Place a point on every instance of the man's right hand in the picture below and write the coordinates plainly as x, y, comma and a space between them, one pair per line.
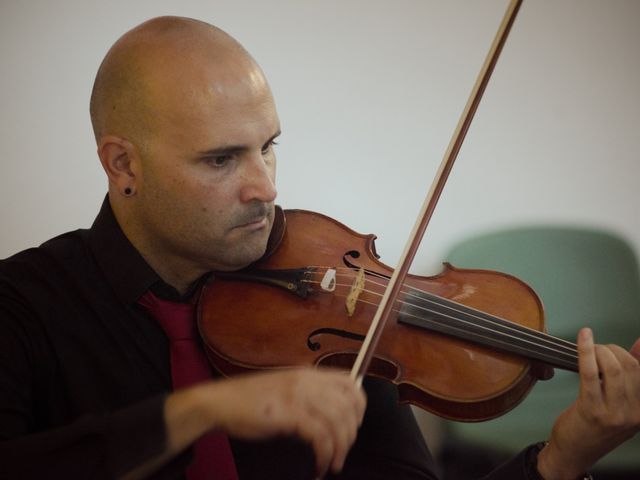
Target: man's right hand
321, 406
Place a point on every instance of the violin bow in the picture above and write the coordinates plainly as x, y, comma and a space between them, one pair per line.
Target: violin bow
392, 291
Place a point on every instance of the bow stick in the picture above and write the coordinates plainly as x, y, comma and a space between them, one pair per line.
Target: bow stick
392, 291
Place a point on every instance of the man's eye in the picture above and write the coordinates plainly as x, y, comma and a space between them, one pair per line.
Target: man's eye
268, 146
219, 161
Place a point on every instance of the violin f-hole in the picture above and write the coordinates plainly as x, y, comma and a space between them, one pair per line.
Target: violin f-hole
314, 346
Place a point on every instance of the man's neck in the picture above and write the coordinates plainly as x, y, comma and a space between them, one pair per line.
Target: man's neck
173, 270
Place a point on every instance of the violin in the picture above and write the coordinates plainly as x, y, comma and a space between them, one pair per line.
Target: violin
465, 344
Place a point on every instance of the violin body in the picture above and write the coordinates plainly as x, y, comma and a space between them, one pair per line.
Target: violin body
278, 313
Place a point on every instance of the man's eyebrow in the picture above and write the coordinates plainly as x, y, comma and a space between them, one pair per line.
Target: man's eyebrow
233, 149
224, 150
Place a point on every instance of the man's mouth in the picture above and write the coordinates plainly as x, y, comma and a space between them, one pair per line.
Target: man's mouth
256, 224
255, 218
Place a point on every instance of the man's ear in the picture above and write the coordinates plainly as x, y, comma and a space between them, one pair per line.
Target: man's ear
120, 159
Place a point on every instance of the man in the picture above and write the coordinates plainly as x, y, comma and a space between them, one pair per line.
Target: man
185, 125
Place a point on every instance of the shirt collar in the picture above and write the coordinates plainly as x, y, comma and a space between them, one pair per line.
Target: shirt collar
126, 270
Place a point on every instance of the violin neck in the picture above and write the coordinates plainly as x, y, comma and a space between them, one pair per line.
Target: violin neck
450, 318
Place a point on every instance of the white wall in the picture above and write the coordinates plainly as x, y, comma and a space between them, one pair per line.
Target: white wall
368, 93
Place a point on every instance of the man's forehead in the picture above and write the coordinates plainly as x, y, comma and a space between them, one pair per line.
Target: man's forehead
195, 87
213, 120
229, 101
203, 75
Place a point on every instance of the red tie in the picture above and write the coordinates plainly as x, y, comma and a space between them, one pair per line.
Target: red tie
189, 365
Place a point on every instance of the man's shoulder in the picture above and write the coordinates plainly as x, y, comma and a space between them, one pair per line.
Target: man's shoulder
45, 264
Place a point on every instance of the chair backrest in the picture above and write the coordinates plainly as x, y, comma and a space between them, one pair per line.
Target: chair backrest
584, 278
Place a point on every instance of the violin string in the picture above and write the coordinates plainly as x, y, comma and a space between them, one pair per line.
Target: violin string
495, 339
440, 301
436, 300
455, 306
504, 342
497, 328
488, 318
507, 336
506, 329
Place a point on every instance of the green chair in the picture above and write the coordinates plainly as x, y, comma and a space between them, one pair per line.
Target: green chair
584, 278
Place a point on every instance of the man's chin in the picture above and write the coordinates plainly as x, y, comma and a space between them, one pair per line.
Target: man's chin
244, 258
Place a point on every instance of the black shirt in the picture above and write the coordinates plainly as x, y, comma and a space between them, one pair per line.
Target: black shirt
84, 372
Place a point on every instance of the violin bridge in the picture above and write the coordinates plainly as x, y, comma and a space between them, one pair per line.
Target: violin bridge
354, 293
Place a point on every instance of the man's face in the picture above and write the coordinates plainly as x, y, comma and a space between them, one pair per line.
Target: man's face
208, 171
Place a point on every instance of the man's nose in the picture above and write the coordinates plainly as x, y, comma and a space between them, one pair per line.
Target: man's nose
259, 180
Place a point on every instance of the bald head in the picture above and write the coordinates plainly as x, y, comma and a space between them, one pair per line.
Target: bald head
158, 63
